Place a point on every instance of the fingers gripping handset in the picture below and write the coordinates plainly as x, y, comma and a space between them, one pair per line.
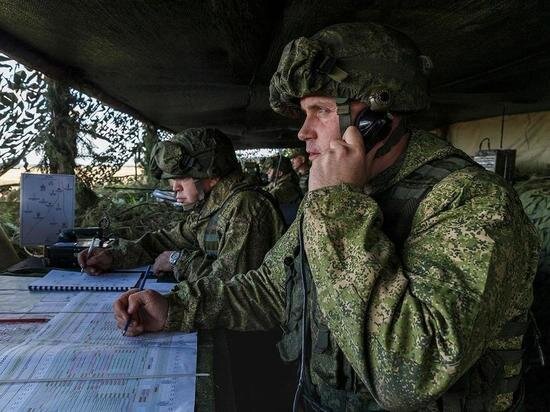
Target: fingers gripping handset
373, 125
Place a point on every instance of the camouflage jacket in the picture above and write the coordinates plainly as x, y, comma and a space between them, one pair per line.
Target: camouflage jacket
304, 181
286, 189
410, 325
248, 226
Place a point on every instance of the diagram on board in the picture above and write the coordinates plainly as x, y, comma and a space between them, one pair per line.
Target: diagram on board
47, 207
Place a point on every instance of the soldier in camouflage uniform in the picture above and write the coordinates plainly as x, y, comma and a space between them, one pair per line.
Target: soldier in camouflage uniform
283, 181
228, 230
405, 281
300, 164
284, 186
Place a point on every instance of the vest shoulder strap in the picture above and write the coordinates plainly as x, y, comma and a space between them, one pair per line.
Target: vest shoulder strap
400, 201
211, 236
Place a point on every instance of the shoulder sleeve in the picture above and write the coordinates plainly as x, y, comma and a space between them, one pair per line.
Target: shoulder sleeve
131, 253
250, 301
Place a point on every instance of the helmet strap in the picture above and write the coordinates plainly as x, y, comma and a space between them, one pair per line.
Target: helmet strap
200, 189
393, 138
343, 109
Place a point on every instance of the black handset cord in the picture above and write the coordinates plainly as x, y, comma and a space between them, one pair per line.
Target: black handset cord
305, 330
302, 375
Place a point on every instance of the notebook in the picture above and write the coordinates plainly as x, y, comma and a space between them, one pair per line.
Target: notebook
68, 280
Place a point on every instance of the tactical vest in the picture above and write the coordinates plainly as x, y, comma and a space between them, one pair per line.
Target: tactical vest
329, 381
211, 238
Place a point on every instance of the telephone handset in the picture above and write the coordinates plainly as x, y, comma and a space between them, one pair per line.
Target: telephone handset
373, 126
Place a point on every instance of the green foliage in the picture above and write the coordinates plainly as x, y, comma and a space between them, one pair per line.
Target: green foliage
131, 213
9, 216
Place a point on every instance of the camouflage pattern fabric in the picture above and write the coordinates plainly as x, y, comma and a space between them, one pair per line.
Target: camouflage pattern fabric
292, 153
535, 197
304, 177
286, 189
248, 227
304, 182
358, 61
410, 326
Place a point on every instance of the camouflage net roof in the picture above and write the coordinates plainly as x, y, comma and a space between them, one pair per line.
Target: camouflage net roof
105, 138
180, 64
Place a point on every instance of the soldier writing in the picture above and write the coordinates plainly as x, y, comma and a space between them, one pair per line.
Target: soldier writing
229, 229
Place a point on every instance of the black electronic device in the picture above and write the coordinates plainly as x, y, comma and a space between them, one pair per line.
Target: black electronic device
373, 126
70, 242
500, 161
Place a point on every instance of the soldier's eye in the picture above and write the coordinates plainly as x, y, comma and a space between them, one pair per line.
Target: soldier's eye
323, 111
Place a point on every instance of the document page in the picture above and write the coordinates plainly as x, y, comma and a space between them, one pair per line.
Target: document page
79, 360
74, 280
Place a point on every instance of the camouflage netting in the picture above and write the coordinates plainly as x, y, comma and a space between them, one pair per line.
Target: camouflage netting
24, 115
66, 126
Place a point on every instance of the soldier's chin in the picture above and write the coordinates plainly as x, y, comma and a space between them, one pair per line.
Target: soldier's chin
313, 156
191, 205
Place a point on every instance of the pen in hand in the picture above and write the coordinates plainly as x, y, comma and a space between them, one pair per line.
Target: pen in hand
140, 285
90, 250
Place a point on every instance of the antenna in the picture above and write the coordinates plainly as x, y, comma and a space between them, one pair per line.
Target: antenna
502, 125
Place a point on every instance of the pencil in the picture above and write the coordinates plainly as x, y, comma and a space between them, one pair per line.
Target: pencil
140, 285
90, 249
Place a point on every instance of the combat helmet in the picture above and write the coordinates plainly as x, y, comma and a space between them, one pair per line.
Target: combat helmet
295, 152
198, 153
365, 62
280, 163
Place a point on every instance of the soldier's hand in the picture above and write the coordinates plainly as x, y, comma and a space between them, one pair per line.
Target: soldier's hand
100, 261
162, 263
343, 162
147, 309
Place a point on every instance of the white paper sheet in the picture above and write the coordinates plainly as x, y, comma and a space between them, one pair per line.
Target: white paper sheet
47, 207
80, 361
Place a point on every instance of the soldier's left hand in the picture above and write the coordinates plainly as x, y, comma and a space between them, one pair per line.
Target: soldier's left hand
162, 263
344, 161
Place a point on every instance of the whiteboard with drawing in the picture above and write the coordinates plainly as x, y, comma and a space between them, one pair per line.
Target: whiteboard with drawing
47, 207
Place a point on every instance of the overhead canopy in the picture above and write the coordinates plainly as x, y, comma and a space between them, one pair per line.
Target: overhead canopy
180, 64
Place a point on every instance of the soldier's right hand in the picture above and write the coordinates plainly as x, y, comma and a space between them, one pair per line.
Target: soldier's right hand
146, 309
99, 261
